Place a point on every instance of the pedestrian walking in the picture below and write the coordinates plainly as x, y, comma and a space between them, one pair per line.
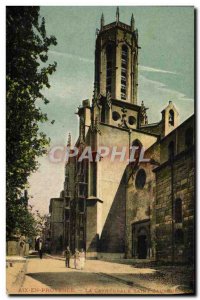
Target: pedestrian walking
76, 258
40, 249
82, 259
67, 257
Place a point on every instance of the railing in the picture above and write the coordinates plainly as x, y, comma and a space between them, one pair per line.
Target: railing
125, 26
120, 24
111, 25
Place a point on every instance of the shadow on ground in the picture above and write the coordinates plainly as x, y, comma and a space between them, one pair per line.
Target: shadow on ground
175, 275
81, 281
84, 282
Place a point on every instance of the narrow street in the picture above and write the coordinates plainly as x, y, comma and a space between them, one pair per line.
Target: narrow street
50, 276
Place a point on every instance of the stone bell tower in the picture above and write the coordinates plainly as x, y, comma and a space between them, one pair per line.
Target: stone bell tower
116, 60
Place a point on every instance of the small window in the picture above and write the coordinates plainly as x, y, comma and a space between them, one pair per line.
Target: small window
178, 210
109, 65
67, 202
81, 220
137, 143
178, 236
140, 179
81, 206
81, 235
189, 137
108, 81
171, 150
109, 73
115, 116
171, 117
67, 215
103, 114
82, 192
131, 120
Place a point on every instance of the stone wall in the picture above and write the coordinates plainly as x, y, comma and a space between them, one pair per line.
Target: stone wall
56, 224
175, 181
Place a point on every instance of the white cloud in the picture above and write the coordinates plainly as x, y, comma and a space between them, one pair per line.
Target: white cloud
87, 60
69, 55
156, 96
150, 69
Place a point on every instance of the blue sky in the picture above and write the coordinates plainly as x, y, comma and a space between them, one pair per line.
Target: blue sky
166, 72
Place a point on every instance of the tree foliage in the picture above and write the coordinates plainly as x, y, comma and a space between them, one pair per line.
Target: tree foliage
27, 73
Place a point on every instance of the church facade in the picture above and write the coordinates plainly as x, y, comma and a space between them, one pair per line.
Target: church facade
119, 208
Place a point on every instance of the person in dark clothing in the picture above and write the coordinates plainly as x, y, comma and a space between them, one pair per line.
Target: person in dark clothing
67, 257
40, 249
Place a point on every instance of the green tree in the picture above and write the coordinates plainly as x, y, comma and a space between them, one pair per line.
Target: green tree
27, 74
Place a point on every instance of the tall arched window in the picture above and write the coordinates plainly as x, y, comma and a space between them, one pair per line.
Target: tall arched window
140, 179
171, 150
124, 66
178, 210
109, 67
171, 117
103, 113
138, 144
189, 137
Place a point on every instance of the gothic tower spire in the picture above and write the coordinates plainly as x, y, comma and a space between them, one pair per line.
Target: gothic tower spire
102, 21
117, 15
132, 23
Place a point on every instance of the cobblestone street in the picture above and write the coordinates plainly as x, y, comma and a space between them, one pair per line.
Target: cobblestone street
50, 276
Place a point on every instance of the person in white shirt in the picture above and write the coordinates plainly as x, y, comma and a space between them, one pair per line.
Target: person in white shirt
82, 259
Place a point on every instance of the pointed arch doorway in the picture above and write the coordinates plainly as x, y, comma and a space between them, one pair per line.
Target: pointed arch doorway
141, 239
142, 244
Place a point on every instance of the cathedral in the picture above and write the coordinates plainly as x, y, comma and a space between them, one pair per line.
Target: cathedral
122, 208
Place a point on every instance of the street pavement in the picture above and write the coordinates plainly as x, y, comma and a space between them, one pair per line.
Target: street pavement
50, 276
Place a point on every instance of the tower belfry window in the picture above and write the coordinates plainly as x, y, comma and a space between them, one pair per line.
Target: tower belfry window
109, 67
124, 63
171, 117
